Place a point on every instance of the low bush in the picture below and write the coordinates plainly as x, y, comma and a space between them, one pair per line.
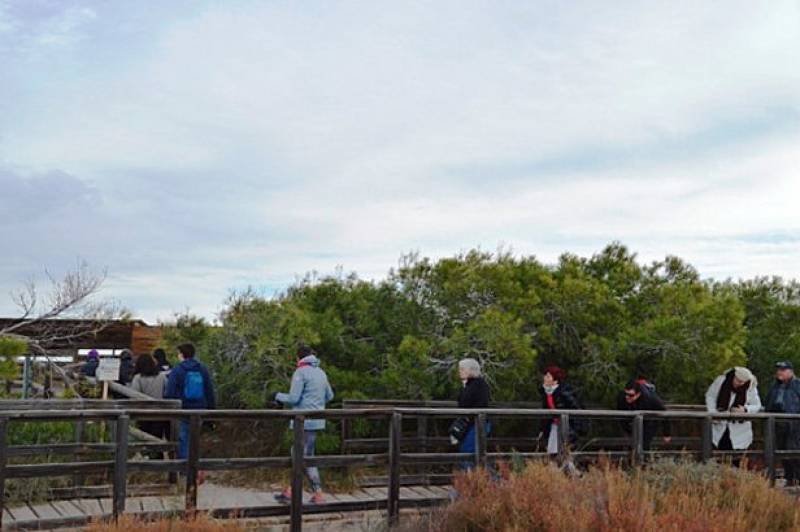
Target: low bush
667, 496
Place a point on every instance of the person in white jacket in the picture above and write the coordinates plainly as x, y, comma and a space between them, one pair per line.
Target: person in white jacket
735, 391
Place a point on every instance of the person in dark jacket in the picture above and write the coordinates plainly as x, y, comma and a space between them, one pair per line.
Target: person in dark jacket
190, 382
474, 394
126, 367
637, 395
557, 394
89, 368
784, 398
161, 359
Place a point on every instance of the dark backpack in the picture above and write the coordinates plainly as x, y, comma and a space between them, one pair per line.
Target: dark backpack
193, 388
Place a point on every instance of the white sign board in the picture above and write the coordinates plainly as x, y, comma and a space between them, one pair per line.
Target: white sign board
108, 369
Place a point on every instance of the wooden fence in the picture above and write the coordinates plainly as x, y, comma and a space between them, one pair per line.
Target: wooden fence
393, 458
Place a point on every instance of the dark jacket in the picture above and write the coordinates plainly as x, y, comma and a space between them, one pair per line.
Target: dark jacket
126, 369
89, 367
648, 400
785, 398
175, 384
565, 398
475, 394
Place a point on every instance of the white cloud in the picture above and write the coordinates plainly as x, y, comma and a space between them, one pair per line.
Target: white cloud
254, 142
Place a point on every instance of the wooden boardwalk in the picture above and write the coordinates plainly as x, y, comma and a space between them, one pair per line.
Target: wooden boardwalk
220, 501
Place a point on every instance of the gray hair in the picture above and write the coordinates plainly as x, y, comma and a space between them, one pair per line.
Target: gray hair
471, 366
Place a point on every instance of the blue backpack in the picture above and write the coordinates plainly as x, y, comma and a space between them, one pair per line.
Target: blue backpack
193, 388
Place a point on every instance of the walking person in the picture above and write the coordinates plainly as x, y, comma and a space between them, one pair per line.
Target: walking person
557, 394
735, 392
150, 381
310, 390
639, 394
190, 382
784, 398
474, 393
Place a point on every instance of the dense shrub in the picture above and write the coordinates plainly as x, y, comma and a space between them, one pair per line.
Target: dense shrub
605, 318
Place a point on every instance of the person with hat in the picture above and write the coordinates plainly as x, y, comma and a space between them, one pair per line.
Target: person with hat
784, 398
310, 390
735, 392
89, 368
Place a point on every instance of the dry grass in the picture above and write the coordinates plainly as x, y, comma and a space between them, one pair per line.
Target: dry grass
201, 523
666, 497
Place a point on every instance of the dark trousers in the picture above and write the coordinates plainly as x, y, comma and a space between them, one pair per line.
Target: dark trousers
725, 444
785, 440
159, 429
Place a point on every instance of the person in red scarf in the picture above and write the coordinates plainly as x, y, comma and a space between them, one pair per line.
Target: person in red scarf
557, 394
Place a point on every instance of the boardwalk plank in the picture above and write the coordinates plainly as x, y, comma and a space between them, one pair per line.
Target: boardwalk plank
89, 506
67, 510
105, 504
151, 504
45, 511
23, 513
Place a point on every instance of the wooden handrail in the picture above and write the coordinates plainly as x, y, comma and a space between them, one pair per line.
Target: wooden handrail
393, 459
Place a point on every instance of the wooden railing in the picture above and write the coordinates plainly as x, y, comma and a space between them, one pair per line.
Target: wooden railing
393, 459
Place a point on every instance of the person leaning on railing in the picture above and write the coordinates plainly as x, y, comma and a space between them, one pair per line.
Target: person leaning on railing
784, 398
641, 395
736, 392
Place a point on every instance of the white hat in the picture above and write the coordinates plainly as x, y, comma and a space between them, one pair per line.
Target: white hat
744, 374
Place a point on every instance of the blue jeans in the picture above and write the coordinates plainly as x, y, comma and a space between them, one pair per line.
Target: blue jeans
309, 449
183, 440
468, 445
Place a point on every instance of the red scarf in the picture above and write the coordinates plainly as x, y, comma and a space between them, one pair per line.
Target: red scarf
551, 404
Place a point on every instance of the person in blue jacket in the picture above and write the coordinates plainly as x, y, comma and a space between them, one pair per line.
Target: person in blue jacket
190, 382
310, 390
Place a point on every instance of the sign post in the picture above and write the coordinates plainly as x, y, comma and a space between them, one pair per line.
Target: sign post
107, 370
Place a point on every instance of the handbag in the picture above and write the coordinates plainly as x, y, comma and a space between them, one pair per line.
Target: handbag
459, 428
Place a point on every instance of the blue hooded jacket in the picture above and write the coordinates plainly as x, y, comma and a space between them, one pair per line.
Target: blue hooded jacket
310, 390
177, 378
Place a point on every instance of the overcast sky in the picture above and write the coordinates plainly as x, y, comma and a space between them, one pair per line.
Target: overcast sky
197, 147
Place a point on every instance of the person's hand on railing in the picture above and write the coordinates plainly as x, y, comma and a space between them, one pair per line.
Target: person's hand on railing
273, 402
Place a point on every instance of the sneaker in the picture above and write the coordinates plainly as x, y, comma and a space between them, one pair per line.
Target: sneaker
317, 498
285, 496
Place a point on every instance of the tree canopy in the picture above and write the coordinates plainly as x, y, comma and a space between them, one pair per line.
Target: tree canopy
605, 319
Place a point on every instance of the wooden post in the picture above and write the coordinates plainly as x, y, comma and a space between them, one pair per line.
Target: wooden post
422, 433
637, 442
298, 460
480, 440
395, 435
79, 479
3, 432
193, 456
563, 436
174, 437
120, 465
707, 449
769, 449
